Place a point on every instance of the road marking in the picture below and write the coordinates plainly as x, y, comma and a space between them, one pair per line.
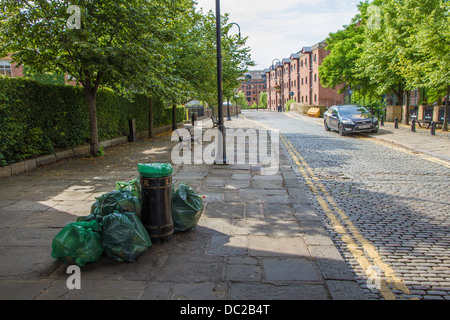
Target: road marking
350, 234
352, 237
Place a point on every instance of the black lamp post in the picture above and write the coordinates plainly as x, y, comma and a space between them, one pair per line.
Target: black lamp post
275, 69
228, 110
228, 100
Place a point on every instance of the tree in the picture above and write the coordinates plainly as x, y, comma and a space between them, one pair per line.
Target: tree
340, 66
429, 41
118, 41
380, 58
240, 100
263, 100
193, 64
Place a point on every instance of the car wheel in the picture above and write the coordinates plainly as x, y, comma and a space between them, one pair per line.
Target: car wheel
326, 126
374, 131
341, 130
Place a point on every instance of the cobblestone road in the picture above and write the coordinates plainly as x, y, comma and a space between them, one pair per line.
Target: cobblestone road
387, 209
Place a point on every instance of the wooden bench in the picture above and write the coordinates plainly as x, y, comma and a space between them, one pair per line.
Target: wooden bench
215, 122
424, 122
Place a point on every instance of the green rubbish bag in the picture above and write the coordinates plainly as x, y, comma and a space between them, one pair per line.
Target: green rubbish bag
78, 243
134, 186
122, 201
124, 237
187, 208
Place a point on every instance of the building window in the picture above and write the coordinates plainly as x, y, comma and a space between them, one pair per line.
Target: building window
5, 67
315, 77
315, 98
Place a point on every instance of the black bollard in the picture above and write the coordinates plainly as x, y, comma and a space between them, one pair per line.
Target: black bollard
382, 120
194, 118
132, 127
433, 128
396, 123
413, 125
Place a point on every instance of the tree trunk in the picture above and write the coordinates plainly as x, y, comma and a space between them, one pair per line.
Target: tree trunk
447, 110
400, 95
91, 94
150, 118
174, 117
406, 119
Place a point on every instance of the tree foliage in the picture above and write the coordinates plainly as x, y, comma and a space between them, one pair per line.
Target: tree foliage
163, 48
392, 47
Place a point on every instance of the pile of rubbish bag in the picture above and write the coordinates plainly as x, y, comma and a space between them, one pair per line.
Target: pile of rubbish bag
114, 225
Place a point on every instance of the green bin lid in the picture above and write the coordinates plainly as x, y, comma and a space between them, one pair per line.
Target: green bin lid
155, 170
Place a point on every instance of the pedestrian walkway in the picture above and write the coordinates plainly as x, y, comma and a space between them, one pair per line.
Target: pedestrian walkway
258, 239
420, 141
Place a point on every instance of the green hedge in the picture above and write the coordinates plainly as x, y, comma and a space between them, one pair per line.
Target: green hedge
37, 119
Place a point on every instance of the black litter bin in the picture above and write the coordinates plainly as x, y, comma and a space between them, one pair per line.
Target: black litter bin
156, 200
194, 118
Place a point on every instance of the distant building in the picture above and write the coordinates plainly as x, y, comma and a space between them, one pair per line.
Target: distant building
253, 85
297, 78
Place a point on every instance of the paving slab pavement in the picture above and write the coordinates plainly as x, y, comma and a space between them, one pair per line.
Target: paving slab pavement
258, 238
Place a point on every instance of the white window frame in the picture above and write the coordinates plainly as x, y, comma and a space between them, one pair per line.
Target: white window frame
5, 65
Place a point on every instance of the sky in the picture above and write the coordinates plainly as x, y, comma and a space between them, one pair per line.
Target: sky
278, 28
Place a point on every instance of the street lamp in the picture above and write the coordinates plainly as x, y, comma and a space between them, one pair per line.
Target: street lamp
238, 27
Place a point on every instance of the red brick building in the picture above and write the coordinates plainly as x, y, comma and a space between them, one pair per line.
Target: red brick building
8, 68
297, 78
253, 85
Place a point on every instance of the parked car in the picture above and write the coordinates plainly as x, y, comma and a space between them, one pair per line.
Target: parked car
348, 119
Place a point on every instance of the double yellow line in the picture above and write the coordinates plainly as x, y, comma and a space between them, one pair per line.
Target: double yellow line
362, 250
367, 257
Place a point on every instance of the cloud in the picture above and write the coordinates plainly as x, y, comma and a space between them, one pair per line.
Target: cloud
278, 28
